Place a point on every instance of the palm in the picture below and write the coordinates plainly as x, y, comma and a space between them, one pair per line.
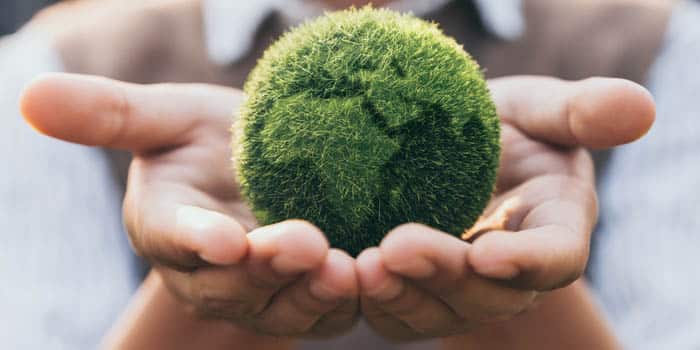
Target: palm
532, 175
524, 159
534, 235
198, 173
183, 211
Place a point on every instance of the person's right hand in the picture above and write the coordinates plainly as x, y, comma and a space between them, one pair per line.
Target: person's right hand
183, 210
535, 234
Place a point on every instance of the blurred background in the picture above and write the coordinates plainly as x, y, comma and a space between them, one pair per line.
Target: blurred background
14, 13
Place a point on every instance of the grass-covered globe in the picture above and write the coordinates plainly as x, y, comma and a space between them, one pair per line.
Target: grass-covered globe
362, 120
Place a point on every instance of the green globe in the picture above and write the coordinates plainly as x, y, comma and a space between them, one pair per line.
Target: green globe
362, 120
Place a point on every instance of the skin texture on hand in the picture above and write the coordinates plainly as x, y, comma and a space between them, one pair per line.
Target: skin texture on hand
422, 283
183, 212
545, 188
283, 279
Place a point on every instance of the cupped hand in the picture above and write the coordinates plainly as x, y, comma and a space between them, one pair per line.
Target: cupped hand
183, 211
535, 233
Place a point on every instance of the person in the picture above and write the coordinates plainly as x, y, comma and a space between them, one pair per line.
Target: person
485, 50
283, 280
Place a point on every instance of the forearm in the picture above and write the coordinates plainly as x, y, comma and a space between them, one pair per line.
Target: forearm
155, 320
564, 319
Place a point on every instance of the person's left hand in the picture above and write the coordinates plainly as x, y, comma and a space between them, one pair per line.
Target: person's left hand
534, 235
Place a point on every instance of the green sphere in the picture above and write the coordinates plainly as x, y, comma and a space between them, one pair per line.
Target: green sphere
365, 119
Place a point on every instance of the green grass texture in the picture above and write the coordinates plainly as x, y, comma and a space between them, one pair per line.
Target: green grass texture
365, 119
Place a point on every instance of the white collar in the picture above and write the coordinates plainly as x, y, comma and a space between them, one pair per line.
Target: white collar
230, 26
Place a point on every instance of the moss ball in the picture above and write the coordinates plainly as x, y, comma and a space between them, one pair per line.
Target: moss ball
362, 120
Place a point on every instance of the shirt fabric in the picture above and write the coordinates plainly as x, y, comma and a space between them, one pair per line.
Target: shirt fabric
645, 267
66, 270
503, 18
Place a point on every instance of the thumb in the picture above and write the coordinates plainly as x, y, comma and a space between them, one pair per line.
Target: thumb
595, 113
96, 111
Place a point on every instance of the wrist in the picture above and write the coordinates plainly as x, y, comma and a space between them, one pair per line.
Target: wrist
567, 318
155, 319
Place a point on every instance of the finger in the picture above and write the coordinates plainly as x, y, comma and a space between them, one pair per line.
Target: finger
97, 111
418, 252
444, 272
278, 256
346, 315
594, 113
297, 309
509, 209
550, 248
166, 229
388, 301
287, 248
